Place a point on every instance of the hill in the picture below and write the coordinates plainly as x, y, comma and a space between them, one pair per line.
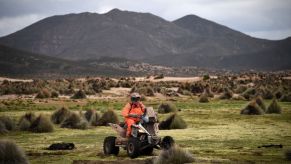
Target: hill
18, 63
188, 41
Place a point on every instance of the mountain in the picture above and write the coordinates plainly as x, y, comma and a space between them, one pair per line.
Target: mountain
90, 35
144, 37
18, 63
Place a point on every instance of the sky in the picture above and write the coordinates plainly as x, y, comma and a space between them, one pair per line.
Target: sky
268, 19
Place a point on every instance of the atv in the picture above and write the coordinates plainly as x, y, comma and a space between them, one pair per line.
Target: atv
144, 137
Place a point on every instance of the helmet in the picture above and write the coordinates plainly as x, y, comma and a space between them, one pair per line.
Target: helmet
135, 97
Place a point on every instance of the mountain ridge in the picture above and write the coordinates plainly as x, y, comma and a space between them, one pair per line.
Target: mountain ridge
190, 40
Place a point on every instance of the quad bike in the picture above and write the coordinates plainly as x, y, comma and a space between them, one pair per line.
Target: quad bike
144, 137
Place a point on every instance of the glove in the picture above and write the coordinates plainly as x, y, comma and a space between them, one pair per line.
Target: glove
133, 115
145, 119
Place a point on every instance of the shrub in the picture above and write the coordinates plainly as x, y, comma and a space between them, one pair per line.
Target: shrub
7, 122
206, 77
147, 91
208, 92
259, 100
26, 120
252, 109
89, 114
60, 115
174, 155
44, 93
24, 124
278, 94
203, 98
3, 129
92, 117
79, 95
274, 107
249, 93
108, 117
10, 153
42, 124
174, 121
240, 89
288, 154
286, 98
74, 121
160, 76
167, 107
227, 94
267, 94
55, 94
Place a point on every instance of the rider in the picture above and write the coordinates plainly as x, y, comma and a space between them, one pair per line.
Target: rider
133, 111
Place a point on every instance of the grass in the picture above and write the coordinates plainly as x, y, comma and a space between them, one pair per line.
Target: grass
216, 132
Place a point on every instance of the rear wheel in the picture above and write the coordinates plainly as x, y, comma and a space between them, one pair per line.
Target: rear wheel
109, 146
167, 142
133, 147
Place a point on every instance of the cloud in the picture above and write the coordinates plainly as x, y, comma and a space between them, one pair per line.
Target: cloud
248, 16
10, 25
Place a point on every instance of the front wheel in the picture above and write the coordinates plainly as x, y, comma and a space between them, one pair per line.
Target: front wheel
148, 151
167, 142
109, 146
133, 146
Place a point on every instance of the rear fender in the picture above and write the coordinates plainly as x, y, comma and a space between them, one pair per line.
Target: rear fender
119, 130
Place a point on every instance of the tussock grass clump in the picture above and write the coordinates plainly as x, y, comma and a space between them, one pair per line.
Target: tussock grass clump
7, 122
227, 94
108, 117
74, 121
259, 100
44, 93
286, 98
26, 120
167, 107
54, 94
92, 117
208, 92
174, 155
79, 95
160, 76
252, 109
42, 124
240, 89
274, 107
288, 154
203, 98
174, 121
267, 94
3, 129
60, 115
146, 90
10, 153
249, 93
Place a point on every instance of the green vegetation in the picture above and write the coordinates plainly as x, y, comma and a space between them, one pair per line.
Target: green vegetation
252, 109
174, 121
167, 107
211, 132
203, 98
10, 153
110, 116
174, 155
274, 107
79, 95
74, 121
42, 124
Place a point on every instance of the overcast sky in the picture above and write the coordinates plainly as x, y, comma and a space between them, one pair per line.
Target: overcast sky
269, 19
